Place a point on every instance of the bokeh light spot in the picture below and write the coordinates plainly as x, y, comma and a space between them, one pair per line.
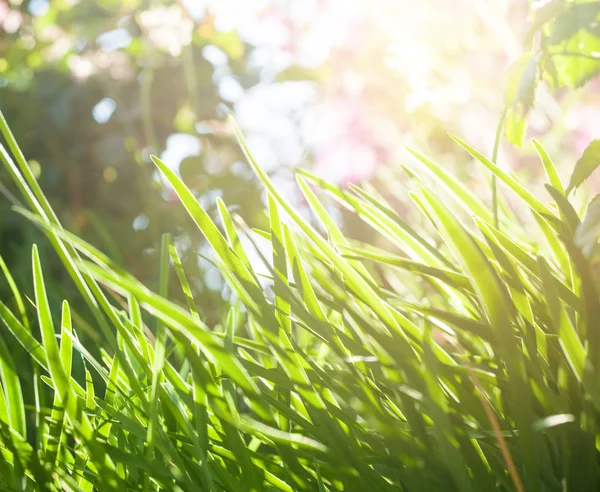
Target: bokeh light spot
110, 174
104, 110
114, 40
35, 167
37, 8
141, 222
180, 146
214, 55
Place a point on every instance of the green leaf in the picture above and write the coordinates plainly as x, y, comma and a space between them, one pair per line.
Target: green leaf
246, 284
577, 17
450, 277
439, 409
549, 167
16, 293
506, 178
352, 277
587, 163
588, 231
12, 389
576, 60
61, 381
471, 203
56, 434
568, 338
495, 300
159, 348
520, 94
541, 13
280, 264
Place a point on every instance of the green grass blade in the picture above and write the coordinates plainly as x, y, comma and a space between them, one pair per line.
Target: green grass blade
16, 293
251, 291
56, 436
549, 167
12, 389
470, 202
60, 380
506, 178
495, 301
159, 350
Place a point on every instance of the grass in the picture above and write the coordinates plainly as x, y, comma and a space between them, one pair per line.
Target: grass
464, 361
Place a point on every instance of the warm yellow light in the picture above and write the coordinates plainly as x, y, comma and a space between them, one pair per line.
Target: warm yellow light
109, 174
36, 169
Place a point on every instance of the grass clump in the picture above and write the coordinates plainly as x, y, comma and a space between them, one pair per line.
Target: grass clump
481, 378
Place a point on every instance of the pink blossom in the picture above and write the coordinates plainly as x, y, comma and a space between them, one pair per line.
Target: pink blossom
3, 11
346, 161
348, 150
171, 195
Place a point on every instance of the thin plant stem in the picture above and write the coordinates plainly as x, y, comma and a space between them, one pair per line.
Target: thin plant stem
494, 159
147, 78
489, 412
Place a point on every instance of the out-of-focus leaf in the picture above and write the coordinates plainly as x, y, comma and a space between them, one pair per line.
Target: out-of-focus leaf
184, 119
576, 60
515, 127
520, 93
296, 73
549, 167
540, 13
229, 42
586, 235
589, 160
579, 16
508, 179
553, 421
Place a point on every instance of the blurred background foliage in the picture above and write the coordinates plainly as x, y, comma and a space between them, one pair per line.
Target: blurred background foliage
92, 88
